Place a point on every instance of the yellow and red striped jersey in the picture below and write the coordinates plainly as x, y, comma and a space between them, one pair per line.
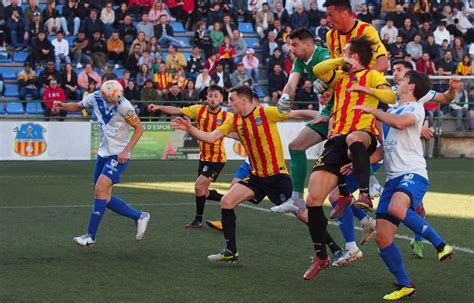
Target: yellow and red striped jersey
337, 41
259, 135
345, 118
207, 121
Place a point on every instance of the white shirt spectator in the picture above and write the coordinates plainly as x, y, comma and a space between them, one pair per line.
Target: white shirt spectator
440, 34
60, 47
107, 17
391, 30
290, 6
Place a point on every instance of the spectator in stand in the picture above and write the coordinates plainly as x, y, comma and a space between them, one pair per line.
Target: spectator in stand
408, 31
460, 107
314, 16
228, 27
201, 38
211, 63
365, 15
276, 58
203, 80
391, 30
174, 96
202, 7
153, 47
444, 48
290, 5
447, 64
28, 83
70, 18
299, 18
127, 31
79, 56
13, 6
180, 79
120, 15
239, 44
306, 97
61, 50
269, 46
175, 60
221, 77
458, 23
397, 49
398, 16
53, 93
69, 83
164, 33
147, 59
90, 89
92, 24
422, 10
288, 63
132, 93
146, 27
177, 9
41, 49
51, 17
251, 64
148, 94
139, 7
97, 50
214, 15
458, 50
240, 76
216, 36
226, 54
264, 20
426, 65
35, 26
16, 27
278, 29
195, 64
386, 7
28, 14
83, 10
414, 48
425, 31
385, 40
281, 14
321, 32
140, 40
107, 16
276, 81
116, 50
441, 33
131, 63
431, 48
190, 93
156, 11
86, 76
464, 67
126, 77
433, 111
162, 80
143, 75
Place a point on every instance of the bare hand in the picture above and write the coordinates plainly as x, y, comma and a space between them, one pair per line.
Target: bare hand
153, 108
455, 83
123, 157
426, 132
364, 108
359, 89
182, 123
326, 96
346, 169
57, 106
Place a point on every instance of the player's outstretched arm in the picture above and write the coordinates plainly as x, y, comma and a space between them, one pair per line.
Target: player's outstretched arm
170, 110
392, 120
290, 86
185, 124
383, 92
302, 114
137, 133
69, 107
326, 69
449, 95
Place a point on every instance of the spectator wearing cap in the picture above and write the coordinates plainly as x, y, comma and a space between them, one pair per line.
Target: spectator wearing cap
35, 26
116, 49
414, 48
41, 49
53, 93
441, 33
269, 46
164, 33
175, 60
92, 24
51, 17
16, 27
107, 16
299, 18
29, 12
264, 20
239, 44
70, 18
240, 75
61, 50
276, 82
28, 83
79, 56
221, 77
391, 30
97, 50
251, 63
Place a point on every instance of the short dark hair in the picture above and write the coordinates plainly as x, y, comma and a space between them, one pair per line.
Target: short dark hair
362, 46
243, 91
215, 88
421, 81
109, 76
340, 4
302, 34
406, 64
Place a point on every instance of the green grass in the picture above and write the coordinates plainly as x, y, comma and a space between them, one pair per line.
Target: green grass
39, 262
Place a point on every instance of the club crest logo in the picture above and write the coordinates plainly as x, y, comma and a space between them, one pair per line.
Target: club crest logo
258, 121
219, 121
239, 149
29, 140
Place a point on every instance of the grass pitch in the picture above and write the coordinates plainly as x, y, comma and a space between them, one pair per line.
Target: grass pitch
43, 205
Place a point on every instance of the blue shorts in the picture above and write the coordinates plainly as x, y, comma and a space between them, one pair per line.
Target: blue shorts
415, 186
244, 171
109, 167
351, 180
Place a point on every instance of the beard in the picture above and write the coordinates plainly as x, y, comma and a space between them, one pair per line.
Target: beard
346, 67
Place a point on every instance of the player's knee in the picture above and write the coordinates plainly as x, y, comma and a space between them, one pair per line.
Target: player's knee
200, 188
226, 203
382, 239
100, 192
314, 200
294, 145
397, 211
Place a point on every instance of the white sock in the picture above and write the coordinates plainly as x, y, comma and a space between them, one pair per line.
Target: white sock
351, 246
297, 196
373, 180
364, 221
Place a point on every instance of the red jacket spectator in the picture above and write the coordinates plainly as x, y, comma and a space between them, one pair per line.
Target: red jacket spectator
146, 3
189, 6
53, 93
425, 65
431, 106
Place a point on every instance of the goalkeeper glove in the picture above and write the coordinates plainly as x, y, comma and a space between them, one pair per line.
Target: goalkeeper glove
284, 104
319, 86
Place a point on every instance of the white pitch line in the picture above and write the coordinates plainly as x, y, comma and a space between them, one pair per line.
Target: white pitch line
403, 237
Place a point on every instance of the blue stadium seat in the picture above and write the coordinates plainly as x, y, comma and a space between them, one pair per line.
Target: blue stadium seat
246, 28
2, 109
70, 40
15, 108
20, 57
251, 42
60, 7
42, 6
119, 72
8, 73
260, 92
6, 60
178, 27
51, 37
163, 56
185, 40
11, 91
34, 108
187, 55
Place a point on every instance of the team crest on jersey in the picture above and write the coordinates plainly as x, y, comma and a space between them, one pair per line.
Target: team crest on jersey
258, 121
219, 121
29, 140
239, 149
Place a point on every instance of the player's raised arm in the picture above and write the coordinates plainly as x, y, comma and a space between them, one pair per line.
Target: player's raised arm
69, 107
185, 124
449, 95
383, 92
170, 110
326, 70
392, 120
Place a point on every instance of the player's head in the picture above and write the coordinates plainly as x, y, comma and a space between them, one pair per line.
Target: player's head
239, 98
338, 13
414, 83
302, 43
109, 76
215, 95
359, 49
399, 68
111, 91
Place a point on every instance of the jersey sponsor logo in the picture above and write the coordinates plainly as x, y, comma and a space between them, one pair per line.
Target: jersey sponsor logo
29, 140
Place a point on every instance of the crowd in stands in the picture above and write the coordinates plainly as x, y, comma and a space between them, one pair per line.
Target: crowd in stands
83, 39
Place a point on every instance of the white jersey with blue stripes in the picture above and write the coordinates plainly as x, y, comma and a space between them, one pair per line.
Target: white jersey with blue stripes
111, 118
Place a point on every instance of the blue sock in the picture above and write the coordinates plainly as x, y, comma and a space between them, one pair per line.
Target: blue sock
359, 213
121, 207
96, 216
346, 224
419, 226
393, 259
418, 237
